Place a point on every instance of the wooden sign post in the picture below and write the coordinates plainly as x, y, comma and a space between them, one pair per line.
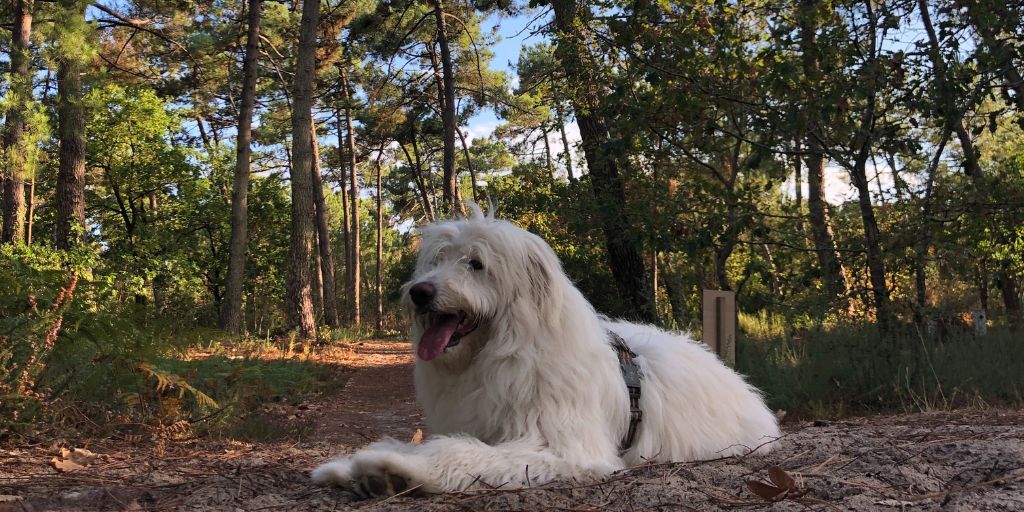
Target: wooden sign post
978, 318
720, 324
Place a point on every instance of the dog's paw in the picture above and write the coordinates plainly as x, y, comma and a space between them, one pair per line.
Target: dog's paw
377, 485
382, 474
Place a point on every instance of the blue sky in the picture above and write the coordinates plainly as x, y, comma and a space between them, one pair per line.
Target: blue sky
513, 34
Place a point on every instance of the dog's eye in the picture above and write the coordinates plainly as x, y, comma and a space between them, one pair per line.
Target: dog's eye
476, 265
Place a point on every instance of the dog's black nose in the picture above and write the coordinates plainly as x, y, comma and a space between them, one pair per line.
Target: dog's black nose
422, 293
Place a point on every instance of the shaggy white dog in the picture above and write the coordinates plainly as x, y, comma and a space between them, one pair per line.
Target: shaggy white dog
521, 386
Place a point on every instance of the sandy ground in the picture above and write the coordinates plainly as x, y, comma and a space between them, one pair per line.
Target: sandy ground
970, 460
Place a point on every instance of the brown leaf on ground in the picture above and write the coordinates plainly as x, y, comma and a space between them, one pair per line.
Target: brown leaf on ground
417, 438
73, 459
780, 478
785, 486
767, 492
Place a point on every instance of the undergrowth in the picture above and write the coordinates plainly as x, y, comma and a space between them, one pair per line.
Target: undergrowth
78, 355
840, 370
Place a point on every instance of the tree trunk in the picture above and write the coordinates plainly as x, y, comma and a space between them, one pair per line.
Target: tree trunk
623, 248
566, 148
450, 183
676, 299
798, 180
722, 254
300, 250
20, 97
70, 194
858, 175
231, 311
323, 231
30, 209
414, 166
380, 251
346, 229
873, 246
654, 280
833, 274
547, 154
353, 201
318, 279
469, 167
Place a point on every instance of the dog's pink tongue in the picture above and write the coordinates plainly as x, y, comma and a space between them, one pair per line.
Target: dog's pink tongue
436, 337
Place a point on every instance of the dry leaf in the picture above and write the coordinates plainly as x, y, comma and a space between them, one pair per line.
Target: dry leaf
781, 479
64, 465
766, 491
73, 459
417, 438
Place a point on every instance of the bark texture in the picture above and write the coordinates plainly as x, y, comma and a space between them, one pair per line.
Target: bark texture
353, 201
13, 229
323, 236
623, 249
449, 194
832, 272
300, 250
231, 311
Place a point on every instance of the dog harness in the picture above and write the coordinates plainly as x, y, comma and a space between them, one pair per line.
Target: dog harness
631, 375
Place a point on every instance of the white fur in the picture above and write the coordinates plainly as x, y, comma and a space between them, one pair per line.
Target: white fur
535, 393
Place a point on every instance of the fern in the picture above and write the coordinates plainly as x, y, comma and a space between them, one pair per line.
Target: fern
166, 381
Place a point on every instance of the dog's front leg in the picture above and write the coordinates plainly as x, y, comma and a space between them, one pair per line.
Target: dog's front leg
454, 464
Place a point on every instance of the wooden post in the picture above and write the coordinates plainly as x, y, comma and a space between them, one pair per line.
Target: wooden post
720, 324
978, 318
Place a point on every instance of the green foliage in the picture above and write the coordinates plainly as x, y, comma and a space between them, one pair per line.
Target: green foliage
70, 339
839, 369
38, 295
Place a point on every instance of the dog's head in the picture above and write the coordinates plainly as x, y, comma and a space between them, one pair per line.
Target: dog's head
475, 274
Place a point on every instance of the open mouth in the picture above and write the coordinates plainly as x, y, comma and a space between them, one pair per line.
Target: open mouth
444, 330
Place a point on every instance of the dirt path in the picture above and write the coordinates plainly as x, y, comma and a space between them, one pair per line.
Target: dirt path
970, 460
377, 400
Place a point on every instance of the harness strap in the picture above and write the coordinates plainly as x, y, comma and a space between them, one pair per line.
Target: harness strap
632, 376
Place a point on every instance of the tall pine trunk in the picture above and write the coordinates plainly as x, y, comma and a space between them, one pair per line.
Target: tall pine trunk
300, 250
231, 311
354, 262
20, 93
833, 275
346, 228
449, 195
70, 223
858, 176
421, 188
380, 250
621, 243
547, 153
323, 236
566, 148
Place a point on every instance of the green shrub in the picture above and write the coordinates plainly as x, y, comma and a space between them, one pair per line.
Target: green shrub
851, 369
66, 333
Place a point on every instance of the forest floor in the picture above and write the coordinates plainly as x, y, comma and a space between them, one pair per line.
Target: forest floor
965, 460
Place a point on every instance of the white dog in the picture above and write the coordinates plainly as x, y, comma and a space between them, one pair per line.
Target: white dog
521, 385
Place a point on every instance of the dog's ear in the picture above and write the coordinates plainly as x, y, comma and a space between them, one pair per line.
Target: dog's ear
492, 209
540, 279
543, 269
